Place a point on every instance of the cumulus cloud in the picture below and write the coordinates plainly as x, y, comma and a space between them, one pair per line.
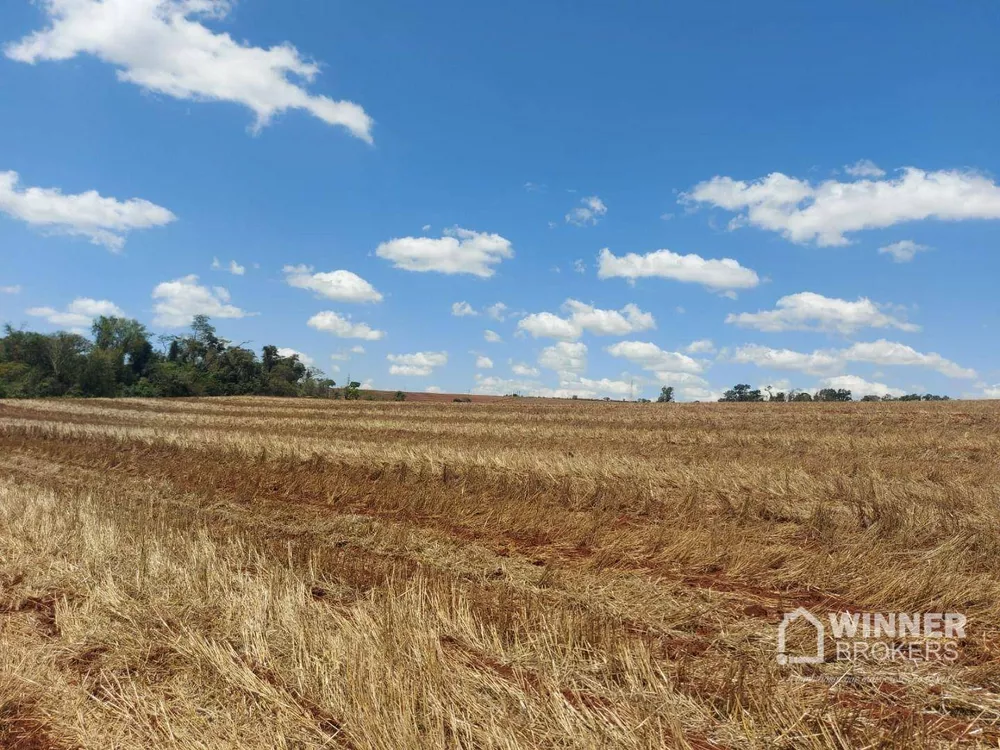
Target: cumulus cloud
492, 336
716, 275
417, 364
808, 311
824, 213
603, 386
884, 352
12, 289
433, 389
587, 214
497, 311
305, 359
881, 352
902, 251
583, 317
458, 251
570, 385
859, 387
343, 356
462, 309
524, 370
104, 221
815, 363
164, 46
177, 302
701, 346
651, 357
549, 325
342, 326
234, 268
79, 313
341, 286
564, 357
484, 363
864, 168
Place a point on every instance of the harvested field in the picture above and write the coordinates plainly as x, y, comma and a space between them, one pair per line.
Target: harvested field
271, 573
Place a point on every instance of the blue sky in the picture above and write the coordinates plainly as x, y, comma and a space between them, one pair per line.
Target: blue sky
788, 193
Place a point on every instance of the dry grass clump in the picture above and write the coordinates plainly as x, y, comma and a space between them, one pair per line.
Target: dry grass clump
284, 573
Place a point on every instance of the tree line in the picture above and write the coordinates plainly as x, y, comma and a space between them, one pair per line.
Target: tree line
743, 392
120, 360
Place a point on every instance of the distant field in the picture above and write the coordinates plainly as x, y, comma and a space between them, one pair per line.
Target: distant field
270, 573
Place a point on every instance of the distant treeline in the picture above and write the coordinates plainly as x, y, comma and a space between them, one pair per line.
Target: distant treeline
743, 392
121, 361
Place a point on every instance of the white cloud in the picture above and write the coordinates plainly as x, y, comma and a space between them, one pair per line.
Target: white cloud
461, 309
79, 313
416, 364
341, 326
162, 46
808, 311
497, 311
825, 212
716, 275
433, 389
697, 393
492, 336
524, 370
864, 168
178, 301
564, 357
579, 266
815, 363
859, 387
458, 251
701, 346
13, 289
884, 352
484, 363
589, 213
104, 221
495, 386
991, 391
569, 386
651, 357
584, 317
341, 286
819, 362
602, 387
343, 356
305, 359
903, 251
234, 268
549, 325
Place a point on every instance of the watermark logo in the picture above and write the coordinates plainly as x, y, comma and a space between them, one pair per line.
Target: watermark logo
878, 636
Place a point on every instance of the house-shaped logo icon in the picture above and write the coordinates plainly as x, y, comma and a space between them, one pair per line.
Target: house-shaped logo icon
788, 619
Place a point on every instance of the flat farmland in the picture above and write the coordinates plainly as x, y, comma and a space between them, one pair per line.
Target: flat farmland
295, 573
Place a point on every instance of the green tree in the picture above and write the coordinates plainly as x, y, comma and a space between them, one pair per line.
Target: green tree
666, 394
100, 374
833, 394
742, 392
